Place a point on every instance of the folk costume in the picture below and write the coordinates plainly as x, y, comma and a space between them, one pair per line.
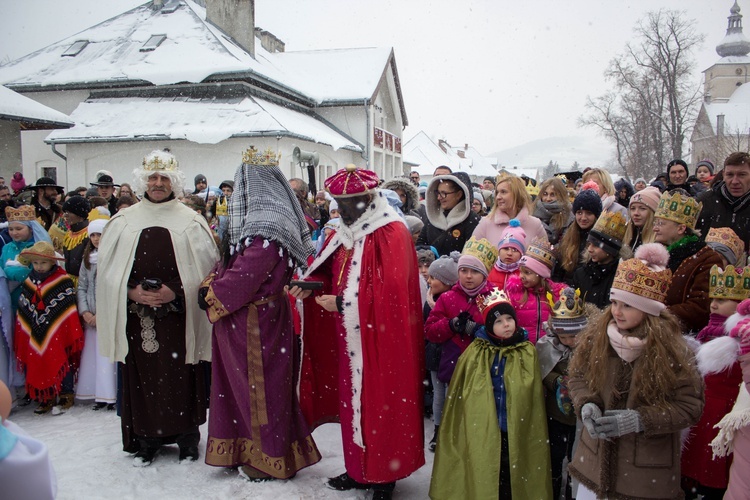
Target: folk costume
255, 419
363, 367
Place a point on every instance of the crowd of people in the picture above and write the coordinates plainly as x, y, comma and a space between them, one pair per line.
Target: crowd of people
582, 338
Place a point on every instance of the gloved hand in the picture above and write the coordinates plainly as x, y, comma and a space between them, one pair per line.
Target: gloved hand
14, 262
616, 423
202, 292
564, 403
589, 413
463, 324
742, 333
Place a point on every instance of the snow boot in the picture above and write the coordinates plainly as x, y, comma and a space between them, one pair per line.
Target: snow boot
383, 491
147, 453
64, 403
45, 407
344, 482
188, 443
98, 406
433, 441
254, 475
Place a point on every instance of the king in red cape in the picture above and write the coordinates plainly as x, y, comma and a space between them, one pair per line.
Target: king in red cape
363, 341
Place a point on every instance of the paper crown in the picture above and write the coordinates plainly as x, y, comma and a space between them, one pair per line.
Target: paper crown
22, 213
487, 302
727, 237
732, 283
634, 276
482, 250
540, 250
678, 208
268, 158
568, 314
351, 181
563, 179
610, 227
160, 160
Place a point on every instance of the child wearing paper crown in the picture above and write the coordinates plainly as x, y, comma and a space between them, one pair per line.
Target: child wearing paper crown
532, 292
511, 248
555, 349
497, 390
635, 387
48, 334
702, 473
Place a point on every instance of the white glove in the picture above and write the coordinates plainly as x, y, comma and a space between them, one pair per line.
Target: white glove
589, 413
616, 423
14, 262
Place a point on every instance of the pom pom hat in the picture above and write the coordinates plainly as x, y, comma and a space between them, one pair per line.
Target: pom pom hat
588, 200
644, 280
479, 255
445, 269
513, 236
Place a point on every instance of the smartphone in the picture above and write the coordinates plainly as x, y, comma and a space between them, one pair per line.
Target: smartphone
307, 285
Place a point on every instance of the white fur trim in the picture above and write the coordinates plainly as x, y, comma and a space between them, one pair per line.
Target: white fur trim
717, 355
732, 321
693, 343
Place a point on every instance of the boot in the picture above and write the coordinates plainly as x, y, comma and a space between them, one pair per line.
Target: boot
383, 491
433, 441
344, 482
254, 475
64, 403
98, 406
45, 407
188, 443
147, 452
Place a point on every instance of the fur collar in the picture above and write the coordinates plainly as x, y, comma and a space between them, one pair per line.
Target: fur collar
457, 214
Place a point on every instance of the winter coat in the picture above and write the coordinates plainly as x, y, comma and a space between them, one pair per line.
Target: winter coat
595, 281
535, 311
717, 212
545, 216
492, 227
739, 475
410, 191
559, 273
687, 296
637, 465
499, 278
437, 327
448, 231
87, 289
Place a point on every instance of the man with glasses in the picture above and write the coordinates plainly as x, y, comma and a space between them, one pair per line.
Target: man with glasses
414, 176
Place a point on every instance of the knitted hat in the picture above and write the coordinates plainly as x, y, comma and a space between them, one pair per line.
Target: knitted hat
414, 223
732, 283
676, 162
425, 257
445, 269
539, 258
513, 236
40, 249
97, 226
727, 243
479, 255
229, 184
77, 205
640, 179
568, 315
705, 163
334, 205
200, 178
351, 181
649, 196
643, 281
588, 200
494, 305
678, 208
608, 232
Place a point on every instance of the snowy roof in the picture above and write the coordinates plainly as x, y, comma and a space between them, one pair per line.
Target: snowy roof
422, 151
31, 114
736, 111
204, 121
479, 165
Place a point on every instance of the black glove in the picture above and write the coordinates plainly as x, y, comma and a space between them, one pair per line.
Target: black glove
463, 324
202, 292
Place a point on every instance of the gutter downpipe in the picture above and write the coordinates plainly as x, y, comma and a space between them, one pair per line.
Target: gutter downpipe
368, 135
65, 159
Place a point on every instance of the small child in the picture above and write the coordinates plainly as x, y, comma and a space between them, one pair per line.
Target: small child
604, 244
528, 291
568, 318
48, 336
494, 416
702, 473
97, 377
728, 245
511, 248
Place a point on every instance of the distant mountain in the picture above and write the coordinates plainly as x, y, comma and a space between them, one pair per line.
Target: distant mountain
588, 151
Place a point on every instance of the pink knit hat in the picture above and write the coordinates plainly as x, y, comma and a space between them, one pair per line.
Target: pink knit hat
648, 196
513, 236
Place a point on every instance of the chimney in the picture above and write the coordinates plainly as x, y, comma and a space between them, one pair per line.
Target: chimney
466, 146
236, 18
719, 125
443, 145
269, 41
157, 4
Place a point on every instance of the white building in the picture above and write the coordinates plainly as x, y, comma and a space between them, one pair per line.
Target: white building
425, 156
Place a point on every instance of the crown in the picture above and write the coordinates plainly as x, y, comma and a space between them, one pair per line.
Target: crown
22, 213
725, 236
160, 160
678, 208
541, 250
268, 158
634, 276
732, 283
611, 225
568, 306
487, 302
482, 250
563, 178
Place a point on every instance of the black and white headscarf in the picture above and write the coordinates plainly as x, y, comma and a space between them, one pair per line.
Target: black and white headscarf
263, 204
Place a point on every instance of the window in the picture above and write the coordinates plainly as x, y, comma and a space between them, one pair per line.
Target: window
76, 48
153, 42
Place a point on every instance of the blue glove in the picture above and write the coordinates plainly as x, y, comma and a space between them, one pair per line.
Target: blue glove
616, 423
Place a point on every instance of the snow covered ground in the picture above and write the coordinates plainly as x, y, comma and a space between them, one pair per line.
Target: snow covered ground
87, 456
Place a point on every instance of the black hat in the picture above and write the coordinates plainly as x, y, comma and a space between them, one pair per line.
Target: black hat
45, 182
589, 200
200, 178
77, 205
229, 184
104, 181
677, 162
496, 311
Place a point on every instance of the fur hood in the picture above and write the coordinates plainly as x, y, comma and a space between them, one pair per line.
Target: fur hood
405, 185
460, 212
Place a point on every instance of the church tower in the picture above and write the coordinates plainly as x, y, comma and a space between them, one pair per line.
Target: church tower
731, 71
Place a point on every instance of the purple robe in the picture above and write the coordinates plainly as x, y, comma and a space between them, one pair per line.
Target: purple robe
254, 417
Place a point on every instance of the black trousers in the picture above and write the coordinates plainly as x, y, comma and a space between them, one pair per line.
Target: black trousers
506, 493
561, 439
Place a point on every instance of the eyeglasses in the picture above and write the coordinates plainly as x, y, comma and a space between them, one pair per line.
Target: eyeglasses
414, 177
444, 194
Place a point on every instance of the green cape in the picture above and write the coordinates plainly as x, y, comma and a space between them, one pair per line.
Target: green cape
467, 459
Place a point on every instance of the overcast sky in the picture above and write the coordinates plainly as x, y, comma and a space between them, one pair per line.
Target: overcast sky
491, 73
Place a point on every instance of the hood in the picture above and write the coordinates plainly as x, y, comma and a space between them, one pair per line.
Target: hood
460, 212
405, 185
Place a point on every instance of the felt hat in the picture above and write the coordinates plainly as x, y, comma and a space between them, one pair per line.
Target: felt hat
45, 182
40, 249
351, 181
77, 205
104, 181
445, 269
643, 281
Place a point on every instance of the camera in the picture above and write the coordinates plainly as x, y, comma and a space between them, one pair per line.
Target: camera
151, 284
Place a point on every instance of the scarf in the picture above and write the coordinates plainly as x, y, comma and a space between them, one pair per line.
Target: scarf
475, 291
507, 268
736, 204
714, 328
545, 211
627, 347
682, 249
607, 201
93, 257
263, 204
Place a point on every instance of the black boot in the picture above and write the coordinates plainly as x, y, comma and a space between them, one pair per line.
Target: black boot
344, 482
433, 441
383, 491
147, 452
188, 443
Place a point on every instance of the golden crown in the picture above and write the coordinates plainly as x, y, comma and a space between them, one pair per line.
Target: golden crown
678, 208
636, 277
482, 250
495, 297
541, 250
563, 178
268, 158
611, 225
732, 283
22, 213
569, 305
725, 236
160, 160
